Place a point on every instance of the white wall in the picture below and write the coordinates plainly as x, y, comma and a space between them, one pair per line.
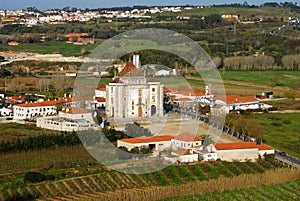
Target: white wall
49, 123
22, 113
262, 152
238, 154
75, 116
178, 144
159, 146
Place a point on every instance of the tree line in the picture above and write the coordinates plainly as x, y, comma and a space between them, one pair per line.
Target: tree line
262, 62
39, 142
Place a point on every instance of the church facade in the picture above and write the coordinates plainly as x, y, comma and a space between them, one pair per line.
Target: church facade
131, 95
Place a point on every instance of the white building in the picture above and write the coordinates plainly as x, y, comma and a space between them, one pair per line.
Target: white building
162, 73
29, 110
130, 95
75, 113
7, 111
70, 119
156, 143
241, 151
100, 92
186, 156
186, 141
238, 102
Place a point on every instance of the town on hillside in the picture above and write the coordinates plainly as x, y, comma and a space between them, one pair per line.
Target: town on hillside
132, 98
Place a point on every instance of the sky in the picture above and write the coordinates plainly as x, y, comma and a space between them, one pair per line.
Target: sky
47, 4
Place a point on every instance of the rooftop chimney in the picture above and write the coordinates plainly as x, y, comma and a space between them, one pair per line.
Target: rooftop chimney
136, 61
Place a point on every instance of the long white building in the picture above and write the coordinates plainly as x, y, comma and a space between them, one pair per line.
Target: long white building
27, 111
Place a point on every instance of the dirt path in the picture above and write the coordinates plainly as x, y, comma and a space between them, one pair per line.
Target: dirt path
278, 89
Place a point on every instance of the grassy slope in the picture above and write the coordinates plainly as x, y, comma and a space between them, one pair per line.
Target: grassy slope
288, 190
282, 131
10, 131
261, 77
51, 47
263, 11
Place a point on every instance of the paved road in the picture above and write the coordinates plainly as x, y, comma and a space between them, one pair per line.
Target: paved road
287, 159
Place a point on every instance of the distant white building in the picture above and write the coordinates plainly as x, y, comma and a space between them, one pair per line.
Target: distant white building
186, 141
186, 156
70, 119
9, 111
238, 102
162, 73
183, 141
27, 111
131, 95
241, 151
156, 143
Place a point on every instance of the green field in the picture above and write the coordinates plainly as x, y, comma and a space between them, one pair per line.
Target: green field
285, 78
77, 176
242, 11
50, 48
285, 191
9, 131
282, 131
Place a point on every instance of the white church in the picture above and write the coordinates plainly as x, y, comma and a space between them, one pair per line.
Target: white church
131, 95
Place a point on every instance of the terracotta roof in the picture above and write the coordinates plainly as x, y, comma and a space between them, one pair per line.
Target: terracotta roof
74, 110
78, 35
45, 103
13, 43
186, 93
168, 91
184, 99
187, 137
184, 152
148, 139
235, 145
101, 89
264, 147
153, 79
199, 94
14, 99
116, 80
70, 72
100, 99
129, 70
237, 99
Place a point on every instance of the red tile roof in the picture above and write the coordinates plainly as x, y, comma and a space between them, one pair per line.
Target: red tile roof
168, 91
184, 152
264, 147
76, 35
187, 137
101, 89
153, 79
199, 94
237, 99
100, 99
129, 70
74, 110
235, 145
45, 103
148, 139
14, 99
184, 99
116, 80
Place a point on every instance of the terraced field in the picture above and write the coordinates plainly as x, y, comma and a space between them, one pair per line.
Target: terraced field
285, 191
95, 181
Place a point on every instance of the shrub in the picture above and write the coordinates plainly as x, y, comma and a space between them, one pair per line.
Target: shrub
269, 156
286, 121
34, 177
276, 123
